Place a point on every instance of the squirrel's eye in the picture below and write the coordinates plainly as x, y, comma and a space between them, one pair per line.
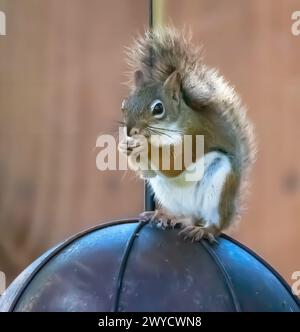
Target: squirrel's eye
157, 109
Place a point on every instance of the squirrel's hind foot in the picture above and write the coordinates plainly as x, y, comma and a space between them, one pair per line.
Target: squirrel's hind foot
195, 233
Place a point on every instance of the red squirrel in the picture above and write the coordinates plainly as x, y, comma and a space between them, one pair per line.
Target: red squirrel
174, 94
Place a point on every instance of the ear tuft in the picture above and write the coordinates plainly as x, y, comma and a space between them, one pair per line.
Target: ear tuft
138, 78
173, 84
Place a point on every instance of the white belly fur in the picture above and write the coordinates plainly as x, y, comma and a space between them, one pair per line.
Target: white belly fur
195, 200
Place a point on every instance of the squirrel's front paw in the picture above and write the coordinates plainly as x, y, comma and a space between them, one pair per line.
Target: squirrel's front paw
196, 233
159, 219
128, 145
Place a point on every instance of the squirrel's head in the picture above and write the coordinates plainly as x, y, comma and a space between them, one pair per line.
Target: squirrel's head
153, 107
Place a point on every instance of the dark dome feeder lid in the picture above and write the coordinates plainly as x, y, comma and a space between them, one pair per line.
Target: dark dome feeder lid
131, 266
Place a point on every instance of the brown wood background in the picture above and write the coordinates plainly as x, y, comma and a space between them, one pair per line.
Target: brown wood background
61, 68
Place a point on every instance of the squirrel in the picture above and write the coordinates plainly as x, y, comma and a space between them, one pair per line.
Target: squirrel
173, 93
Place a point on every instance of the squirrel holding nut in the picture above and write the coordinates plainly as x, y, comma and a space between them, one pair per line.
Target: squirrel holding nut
174, 94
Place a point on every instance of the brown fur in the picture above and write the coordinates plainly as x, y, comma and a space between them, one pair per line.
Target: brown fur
228, 203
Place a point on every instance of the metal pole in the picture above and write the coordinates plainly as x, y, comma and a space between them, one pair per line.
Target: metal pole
150, 15
156, 18
149, 204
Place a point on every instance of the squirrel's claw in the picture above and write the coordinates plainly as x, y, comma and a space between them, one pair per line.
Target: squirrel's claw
159, 219
196, 233
146, 215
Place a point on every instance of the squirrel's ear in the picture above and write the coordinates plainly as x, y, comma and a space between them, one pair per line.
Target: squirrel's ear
172, 84
138, 78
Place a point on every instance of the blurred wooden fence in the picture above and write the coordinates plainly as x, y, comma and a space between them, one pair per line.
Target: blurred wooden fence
61, 68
